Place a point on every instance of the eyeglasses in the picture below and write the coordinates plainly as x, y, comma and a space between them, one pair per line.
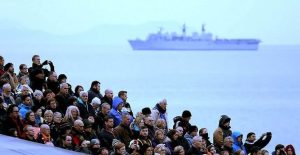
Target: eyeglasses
16, 111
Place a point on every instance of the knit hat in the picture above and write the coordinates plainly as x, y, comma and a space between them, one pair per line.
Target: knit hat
186, 114
95, 141
114, 142
193, 128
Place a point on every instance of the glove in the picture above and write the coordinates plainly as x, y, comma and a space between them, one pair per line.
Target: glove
45, 62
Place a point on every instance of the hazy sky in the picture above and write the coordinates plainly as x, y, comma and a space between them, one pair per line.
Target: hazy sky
274, 21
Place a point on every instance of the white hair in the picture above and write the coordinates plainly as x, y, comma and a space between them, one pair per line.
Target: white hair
78, 122
62, 85
6, 86
83, 93
96, 101
44, 126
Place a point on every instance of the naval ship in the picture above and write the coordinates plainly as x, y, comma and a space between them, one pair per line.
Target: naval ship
196, 41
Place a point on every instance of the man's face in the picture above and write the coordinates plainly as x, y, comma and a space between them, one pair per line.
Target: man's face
37, 60
229, 143
126, 120
120, 106
79, 127
240, 138
85, 98
27, 101
64, 89
149, 121
252, 138
179, 129
109, 94
105, 109
144, 132
53, 77
109, 123
30, 131
163, 106
7, 91
25, 91
68, 141
97, 87
124, 97
24, 69
46, 131
11, 69
57, 118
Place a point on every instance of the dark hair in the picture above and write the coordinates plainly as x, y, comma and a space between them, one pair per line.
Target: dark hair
106, 118
34, 56
186, 114
146, 111
6, 67
24, 97
171, 133
28, 114
94, 83
76, 90
201, 130
48, 91
122, 92
61, 76
21, 66
250, 134
290, 146
10, 109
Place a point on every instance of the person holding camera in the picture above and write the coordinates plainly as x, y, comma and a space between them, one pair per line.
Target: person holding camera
38, 74
251, 141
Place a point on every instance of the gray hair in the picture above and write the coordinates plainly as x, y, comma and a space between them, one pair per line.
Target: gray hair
78, 122
82, 93
62, 85
6, 86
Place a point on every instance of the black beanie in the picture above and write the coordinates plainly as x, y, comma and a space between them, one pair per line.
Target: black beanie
186, 114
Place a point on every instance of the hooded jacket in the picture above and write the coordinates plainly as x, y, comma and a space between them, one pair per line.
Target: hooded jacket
117, 115
237, 145
221, 132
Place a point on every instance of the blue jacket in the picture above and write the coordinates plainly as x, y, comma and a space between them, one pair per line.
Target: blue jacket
117, 115
23, 109
237, 145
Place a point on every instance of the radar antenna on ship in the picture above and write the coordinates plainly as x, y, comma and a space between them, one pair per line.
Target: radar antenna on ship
183, 30
203, 28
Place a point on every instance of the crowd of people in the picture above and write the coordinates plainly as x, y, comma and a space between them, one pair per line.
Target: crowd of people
39, 105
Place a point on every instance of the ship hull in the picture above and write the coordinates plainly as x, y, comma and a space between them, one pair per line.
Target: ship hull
192, 45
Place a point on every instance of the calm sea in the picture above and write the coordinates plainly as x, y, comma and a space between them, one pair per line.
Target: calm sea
259, 90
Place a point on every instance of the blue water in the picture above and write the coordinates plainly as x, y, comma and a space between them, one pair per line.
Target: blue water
259, 90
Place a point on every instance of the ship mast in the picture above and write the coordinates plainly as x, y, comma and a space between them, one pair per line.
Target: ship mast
183, 30
203, 28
